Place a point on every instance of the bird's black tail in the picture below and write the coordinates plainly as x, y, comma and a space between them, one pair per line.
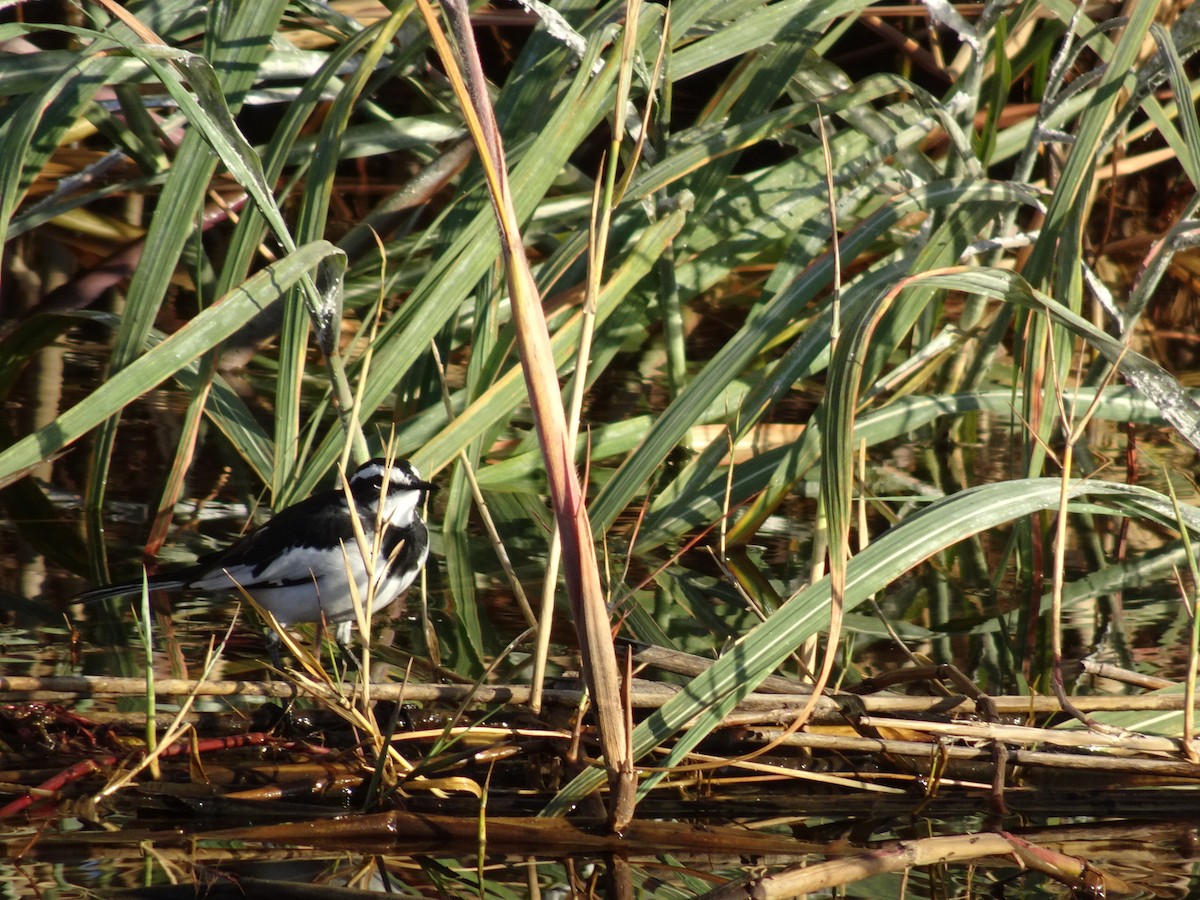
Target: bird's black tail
166, 582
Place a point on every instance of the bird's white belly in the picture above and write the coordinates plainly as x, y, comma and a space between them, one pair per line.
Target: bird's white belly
324, 595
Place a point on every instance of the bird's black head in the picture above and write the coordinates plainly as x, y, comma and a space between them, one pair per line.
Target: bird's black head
398, 483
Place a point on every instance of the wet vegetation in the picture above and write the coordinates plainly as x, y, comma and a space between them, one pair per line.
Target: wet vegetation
805, 385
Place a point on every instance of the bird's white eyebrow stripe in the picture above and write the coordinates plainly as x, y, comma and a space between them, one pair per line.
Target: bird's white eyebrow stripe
400, 476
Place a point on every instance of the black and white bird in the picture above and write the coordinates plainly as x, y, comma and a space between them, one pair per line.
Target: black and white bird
298, 565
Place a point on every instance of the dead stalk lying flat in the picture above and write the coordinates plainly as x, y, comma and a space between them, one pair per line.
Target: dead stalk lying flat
644, 695
921, 749
902, 855
1023, 734
838, 780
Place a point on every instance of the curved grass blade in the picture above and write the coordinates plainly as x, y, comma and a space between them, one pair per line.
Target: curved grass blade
767, 478
709, 696
763, 327
199, 336
472, 251
1154, 382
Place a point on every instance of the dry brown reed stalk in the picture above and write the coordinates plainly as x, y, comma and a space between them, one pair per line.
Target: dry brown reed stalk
522, 833
901, 855
1125, 676
643, 695
1093, 762
592, 620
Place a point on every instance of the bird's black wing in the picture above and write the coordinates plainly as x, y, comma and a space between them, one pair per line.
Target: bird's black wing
315, 523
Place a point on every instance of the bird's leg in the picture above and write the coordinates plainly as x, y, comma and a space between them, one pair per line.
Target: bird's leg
273, 643
341, 636
285, 714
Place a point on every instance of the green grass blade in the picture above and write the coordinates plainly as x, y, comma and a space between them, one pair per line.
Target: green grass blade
199, 336
755, 655
763, 327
